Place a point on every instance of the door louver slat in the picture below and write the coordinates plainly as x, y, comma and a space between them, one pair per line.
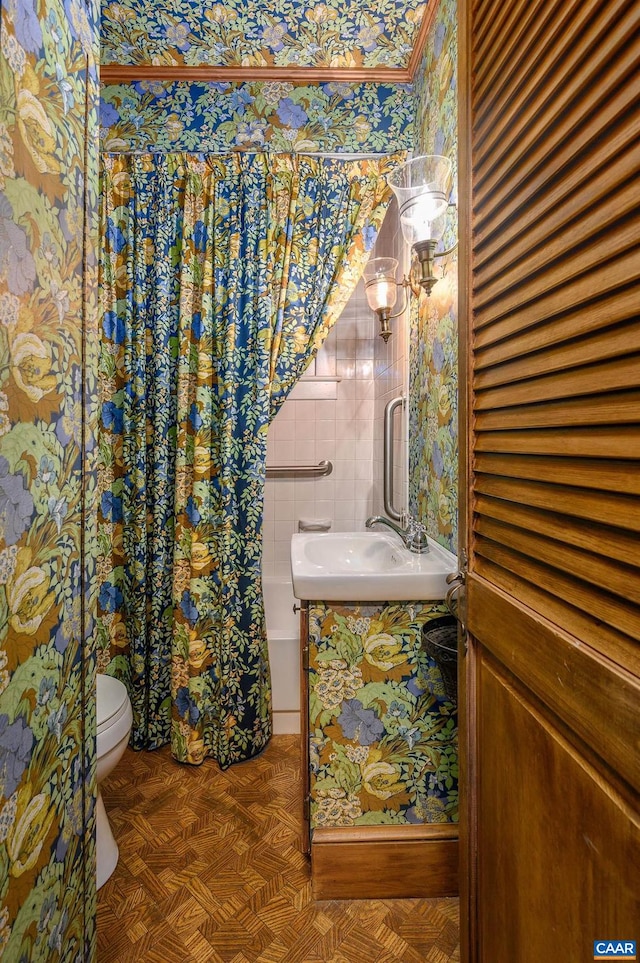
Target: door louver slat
503, 237
521, 35
556, 391
556, 535
619, 373
552, 243
614, 442
579, 617
577, 411
622, 476
511, 337
573, 502
584, 76
607, 277
598, 604
554, 356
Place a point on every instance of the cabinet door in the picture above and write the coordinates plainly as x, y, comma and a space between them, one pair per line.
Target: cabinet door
549, 229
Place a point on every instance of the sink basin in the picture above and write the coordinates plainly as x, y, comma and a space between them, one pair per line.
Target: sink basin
367, 567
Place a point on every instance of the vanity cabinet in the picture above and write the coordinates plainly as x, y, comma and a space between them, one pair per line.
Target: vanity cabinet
379, 753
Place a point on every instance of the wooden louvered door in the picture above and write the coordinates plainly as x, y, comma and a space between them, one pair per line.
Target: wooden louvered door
550, 233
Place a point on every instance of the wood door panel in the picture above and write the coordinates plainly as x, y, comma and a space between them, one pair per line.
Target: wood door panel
550, 740
555, 839
594, 697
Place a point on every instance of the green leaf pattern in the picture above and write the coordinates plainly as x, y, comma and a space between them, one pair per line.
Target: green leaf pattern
383, 733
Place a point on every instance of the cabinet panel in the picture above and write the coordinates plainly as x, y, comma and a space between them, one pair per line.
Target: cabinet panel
539, 795
383, 754
383, 739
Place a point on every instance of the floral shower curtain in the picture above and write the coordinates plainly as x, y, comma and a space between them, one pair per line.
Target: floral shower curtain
221, 276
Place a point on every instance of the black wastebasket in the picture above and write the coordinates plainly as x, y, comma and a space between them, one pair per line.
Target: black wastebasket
440, 639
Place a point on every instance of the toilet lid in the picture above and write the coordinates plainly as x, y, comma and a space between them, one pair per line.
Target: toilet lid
111, 698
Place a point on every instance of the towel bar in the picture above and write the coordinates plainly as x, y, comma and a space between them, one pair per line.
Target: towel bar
322, 468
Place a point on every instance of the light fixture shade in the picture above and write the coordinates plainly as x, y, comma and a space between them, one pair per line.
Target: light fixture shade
380, 283
422, 187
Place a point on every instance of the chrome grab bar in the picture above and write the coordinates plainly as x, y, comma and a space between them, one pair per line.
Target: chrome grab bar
322, 468
389, 412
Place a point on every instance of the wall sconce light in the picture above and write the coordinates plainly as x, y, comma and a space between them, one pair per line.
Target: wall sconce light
422, 187
381, 288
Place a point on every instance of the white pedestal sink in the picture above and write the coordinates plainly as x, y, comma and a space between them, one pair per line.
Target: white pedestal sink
367, 567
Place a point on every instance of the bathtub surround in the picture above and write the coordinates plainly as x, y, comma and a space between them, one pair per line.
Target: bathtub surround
233, 324
391, 378
283, 638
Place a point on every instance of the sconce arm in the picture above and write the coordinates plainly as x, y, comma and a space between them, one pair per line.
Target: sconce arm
449, 250
404, 284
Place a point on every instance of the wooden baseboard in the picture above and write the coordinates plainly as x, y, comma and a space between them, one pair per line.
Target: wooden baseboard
385, 862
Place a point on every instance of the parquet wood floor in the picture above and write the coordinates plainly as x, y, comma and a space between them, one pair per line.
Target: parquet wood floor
211, 871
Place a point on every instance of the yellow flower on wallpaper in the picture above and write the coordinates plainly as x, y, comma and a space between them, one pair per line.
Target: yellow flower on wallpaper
321, 13
29, 831
174, 125
6, 155
37, 132
362, 128
218, 13
345, 60
115, 11
381, 779
28, 596
31, 366
444, 403
384, 651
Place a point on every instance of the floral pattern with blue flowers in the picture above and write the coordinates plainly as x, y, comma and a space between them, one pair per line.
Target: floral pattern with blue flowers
283, 33
275, 116
48, 239
383, 734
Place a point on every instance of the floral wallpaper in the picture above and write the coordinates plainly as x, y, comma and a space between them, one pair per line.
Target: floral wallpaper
283, 33
216, 117
48, 102
433, 357
383, 733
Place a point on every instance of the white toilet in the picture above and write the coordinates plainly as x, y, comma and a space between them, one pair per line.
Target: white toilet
114, 718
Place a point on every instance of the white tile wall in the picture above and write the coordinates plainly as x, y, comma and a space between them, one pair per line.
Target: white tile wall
347, 430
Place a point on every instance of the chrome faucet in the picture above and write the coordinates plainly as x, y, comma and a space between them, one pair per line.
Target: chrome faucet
414, 535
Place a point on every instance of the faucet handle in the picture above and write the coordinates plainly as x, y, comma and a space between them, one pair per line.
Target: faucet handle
413, 525
416, 538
